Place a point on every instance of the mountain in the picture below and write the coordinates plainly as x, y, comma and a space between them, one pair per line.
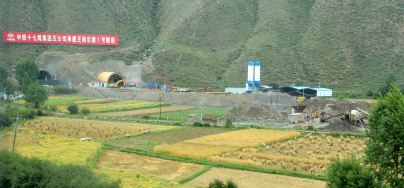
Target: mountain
348, 45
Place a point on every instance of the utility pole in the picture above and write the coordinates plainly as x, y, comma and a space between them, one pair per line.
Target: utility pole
16, 125
160, 107
202, 106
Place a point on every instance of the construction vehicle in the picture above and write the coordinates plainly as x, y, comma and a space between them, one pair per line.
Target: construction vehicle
206, 89
181, 89
120, 83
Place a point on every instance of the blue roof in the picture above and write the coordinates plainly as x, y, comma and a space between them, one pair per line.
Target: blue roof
321, 89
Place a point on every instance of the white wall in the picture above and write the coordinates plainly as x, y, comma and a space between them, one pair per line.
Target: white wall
324, 93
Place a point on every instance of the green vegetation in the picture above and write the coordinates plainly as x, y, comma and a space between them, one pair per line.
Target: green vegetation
59, 90
85, 111
5, 119
229, 123
182, 116
349, 173
73, 108
26, 66
220, 184
5, 84
128, 108
187, 179
18, 171
64, 100
386, 137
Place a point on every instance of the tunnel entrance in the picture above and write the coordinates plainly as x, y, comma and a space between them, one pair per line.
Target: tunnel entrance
45, 74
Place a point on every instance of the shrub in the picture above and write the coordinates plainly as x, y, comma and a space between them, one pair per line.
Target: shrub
58, 90
220, 184
22, 112
197, 124
39, 112
53, 108
310, 127
146, 117
206, 124
85, 111
5, 119
349, 173
73, 108
18, 171
229, 123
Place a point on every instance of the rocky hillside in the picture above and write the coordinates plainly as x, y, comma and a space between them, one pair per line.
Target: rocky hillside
342, 44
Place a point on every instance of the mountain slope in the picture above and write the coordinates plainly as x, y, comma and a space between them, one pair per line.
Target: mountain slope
350, 45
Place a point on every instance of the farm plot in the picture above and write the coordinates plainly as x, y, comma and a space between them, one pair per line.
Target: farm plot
148, 111
182, 116
129, 178
203, 147
51, 147
253, 179
93, 129
66, 100
170, 170
147, 141
118, 106
309, 154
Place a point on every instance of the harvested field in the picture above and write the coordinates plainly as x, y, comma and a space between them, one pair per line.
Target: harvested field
148, 111
217, 144
311, 154
254, 112
93, 129
113, 106
51, 147
148, 141
170, 170
253, 179
133, 179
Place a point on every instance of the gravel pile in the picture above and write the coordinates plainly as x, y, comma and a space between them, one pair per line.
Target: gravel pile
338, 125
254, 112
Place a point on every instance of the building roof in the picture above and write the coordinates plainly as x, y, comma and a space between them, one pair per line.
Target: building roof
301, 90
106, 76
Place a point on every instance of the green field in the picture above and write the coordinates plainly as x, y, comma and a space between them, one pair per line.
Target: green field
182, 116
148, 141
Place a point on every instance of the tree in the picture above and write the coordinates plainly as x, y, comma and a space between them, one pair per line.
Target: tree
385, 153
5, 85
3, 74
8, 87
26, 66
274, 86
349, 173
35, 94
5, 120
73, 109
220, 184
229, 123
385, 88
26, 82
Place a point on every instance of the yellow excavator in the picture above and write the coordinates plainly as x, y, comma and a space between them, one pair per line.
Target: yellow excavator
120, 83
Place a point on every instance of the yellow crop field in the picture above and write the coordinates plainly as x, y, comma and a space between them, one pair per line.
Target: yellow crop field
133, 179
217, 144
51, 147
134, 113
166, 169
93, 129
310, 154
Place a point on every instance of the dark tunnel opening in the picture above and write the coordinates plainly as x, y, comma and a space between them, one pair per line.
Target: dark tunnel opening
45, 74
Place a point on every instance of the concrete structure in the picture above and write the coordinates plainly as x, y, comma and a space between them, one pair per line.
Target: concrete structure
296, 116
234, 90
109, 77
97, 83
193, 118
323, 92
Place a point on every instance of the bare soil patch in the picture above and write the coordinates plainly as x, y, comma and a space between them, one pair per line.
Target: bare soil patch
254, 112
147, 141
253, 179
170, 170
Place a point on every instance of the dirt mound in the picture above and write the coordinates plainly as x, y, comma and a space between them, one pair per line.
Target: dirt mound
338, 125
254, 112
335, 107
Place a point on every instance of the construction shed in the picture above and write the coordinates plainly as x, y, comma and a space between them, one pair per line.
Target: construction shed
97, 83
303, 91
110, 77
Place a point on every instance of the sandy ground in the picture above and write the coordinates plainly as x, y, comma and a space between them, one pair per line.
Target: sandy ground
170, 170
253, 179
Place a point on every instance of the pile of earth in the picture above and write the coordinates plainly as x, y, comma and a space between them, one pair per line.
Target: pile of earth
254, 112
334, 107
339, 125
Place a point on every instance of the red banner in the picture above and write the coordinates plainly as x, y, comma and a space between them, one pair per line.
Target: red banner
60, 38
